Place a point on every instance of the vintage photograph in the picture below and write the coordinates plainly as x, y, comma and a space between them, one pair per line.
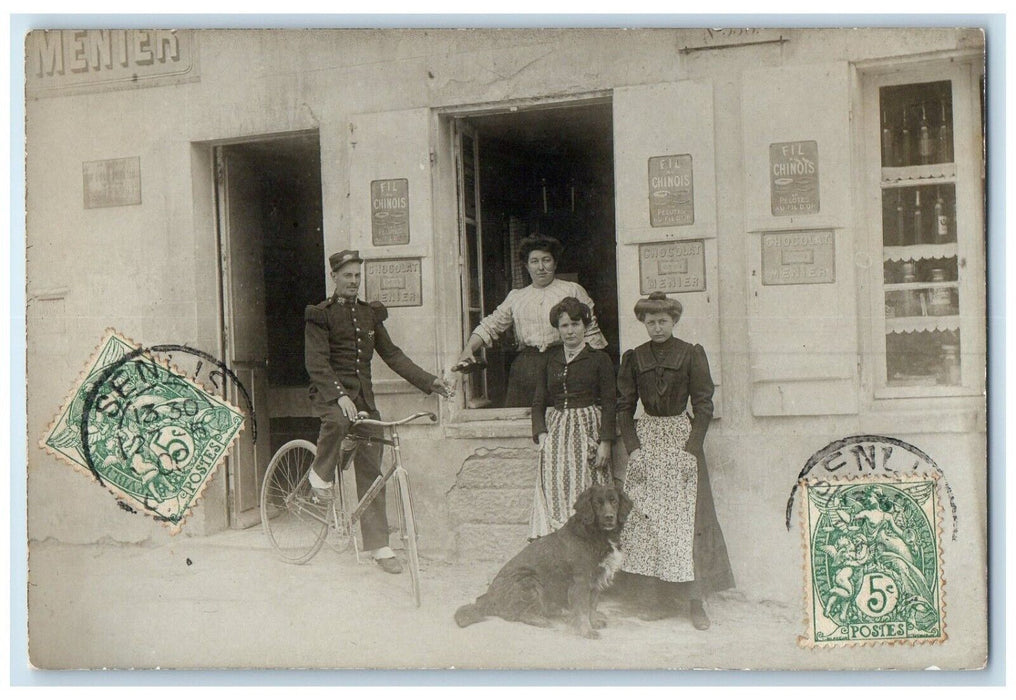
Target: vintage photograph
570, 348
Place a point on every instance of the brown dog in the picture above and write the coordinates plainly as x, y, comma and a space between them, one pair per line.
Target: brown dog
566, 570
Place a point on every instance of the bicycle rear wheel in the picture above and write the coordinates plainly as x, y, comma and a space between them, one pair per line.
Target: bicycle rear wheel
407, 528
295, 525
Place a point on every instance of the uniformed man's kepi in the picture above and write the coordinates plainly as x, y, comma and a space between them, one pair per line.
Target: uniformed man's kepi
337, 260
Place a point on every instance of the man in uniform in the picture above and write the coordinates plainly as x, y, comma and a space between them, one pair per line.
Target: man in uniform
342, 334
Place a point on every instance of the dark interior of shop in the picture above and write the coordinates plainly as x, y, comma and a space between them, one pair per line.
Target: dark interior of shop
548, 171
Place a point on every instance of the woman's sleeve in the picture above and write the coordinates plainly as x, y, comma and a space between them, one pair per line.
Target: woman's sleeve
594, 336
608, 399
539, 412
700, 392
491, 327
627, 399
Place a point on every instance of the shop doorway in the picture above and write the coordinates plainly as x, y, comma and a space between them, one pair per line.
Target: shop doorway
268, 208
546, 170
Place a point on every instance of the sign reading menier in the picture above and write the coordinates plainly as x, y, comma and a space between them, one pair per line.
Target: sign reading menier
60, 62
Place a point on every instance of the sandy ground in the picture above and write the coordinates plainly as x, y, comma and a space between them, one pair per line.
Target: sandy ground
226, 601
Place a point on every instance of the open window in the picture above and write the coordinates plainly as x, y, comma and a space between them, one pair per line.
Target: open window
924, 163
545, 170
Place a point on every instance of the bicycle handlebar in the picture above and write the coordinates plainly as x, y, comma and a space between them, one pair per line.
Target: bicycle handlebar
388, 423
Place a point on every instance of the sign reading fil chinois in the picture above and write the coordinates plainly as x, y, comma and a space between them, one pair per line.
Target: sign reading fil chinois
793, 175
389, 212
394, 282
672, 266
671, 200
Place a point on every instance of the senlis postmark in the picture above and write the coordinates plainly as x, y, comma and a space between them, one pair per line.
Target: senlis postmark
146, 432
873, 561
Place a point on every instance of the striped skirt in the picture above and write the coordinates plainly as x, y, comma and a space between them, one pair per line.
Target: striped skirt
566, 466
662, 481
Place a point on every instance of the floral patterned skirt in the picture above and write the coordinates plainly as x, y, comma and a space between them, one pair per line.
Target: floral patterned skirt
566, 470
662, 481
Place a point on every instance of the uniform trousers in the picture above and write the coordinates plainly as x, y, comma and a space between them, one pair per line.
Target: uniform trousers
366, 464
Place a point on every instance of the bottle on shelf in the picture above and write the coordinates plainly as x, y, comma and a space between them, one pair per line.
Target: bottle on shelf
888, 148
924, 138
941, 219
911, 300
944, 137
939, 298
901, 238
918, 228
950, 367
904, 142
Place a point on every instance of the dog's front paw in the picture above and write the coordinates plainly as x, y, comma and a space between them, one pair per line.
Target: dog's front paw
598, 620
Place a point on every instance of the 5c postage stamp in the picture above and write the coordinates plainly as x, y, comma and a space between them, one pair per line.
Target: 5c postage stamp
873, 561
147, 433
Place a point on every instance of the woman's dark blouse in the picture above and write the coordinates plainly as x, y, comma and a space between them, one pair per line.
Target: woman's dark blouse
665, 378
588, 380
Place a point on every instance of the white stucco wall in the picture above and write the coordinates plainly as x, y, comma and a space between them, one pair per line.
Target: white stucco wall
150, 270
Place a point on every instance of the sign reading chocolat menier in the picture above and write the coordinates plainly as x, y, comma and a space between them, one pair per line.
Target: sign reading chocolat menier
394, 281
671, 200
389, 212
672, 266
793, 178
798, 257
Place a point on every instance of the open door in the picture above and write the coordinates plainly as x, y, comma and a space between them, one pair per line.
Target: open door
467, 163
241, 231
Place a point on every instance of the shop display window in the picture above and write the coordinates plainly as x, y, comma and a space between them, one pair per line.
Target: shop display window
929, 306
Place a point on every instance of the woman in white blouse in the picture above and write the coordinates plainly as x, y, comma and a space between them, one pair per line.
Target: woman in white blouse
528, 310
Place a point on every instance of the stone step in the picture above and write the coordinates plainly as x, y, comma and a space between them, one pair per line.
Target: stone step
505, 505
504, 468
489, 542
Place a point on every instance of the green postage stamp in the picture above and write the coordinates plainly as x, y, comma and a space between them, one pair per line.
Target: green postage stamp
873, 561
146, 432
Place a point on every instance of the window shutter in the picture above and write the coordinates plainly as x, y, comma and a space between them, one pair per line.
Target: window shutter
394, 146
652, 121
802, 337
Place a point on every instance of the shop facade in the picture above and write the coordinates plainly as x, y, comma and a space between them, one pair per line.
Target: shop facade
814, 198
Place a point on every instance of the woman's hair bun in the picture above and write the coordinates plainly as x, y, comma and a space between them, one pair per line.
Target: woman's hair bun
658, 296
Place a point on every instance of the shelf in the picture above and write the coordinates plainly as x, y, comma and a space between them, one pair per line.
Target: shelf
918, 174
922, 251
904, 286
918, 324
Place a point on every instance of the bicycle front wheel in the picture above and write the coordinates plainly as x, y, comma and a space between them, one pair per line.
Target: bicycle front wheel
407, 528
295, 524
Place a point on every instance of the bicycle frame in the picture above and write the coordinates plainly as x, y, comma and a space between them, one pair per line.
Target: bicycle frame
383, 478
285, 485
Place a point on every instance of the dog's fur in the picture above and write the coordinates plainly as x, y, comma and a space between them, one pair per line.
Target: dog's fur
565, 570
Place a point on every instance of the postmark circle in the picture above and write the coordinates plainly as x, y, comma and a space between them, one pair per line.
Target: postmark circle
146, 426
870, 455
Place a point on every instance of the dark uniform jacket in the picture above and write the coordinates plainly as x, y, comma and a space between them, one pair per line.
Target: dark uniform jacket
341, 337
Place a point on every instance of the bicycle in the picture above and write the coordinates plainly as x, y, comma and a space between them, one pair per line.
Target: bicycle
298, 525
